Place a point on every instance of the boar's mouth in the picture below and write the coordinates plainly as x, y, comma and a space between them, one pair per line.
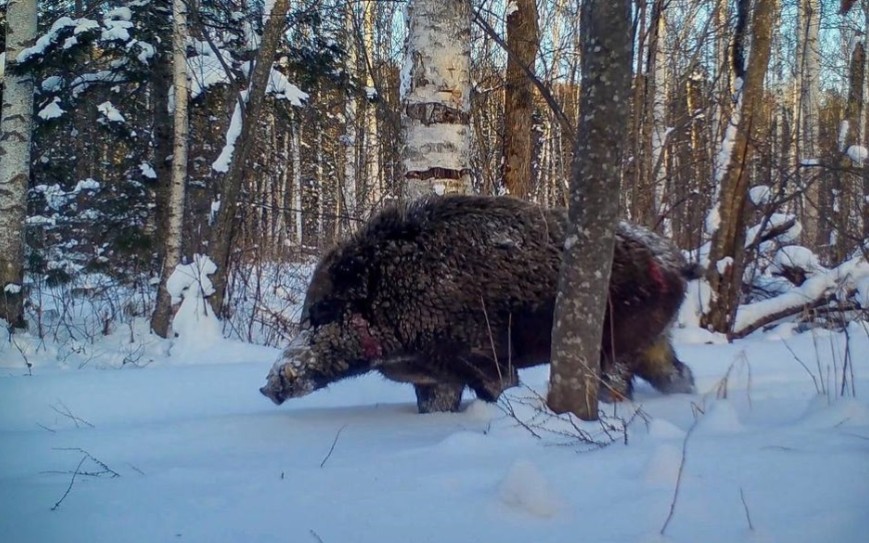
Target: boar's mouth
272, 394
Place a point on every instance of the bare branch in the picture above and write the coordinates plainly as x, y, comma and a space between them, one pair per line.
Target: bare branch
332, 448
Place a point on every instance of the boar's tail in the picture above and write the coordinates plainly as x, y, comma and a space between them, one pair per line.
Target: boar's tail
692, 271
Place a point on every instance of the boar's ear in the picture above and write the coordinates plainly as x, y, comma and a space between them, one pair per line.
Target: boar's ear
324, 312
350, 272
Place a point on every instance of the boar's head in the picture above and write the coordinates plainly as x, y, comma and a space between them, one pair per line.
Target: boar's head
336, 341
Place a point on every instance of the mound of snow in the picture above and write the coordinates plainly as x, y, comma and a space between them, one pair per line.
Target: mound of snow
525, 488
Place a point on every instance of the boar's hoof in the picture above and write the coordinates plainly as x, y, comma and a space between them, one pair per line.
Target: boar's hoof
438, 398
678, 381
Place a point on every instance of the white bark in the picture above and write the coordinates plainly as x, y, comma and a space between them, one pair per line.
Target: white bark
864, 123
372, 141
174, 225
348, 190
297, 173
809, 64
659, 117
180, 135
435, 96
15, 134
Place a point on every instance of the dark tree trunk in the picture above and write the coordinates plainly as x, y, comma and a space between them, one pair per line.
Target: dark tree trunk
522, 44
221, 238
585, 272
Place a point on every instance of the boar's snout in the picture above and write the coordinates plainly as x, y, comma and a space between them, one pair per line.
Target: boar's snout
272, 394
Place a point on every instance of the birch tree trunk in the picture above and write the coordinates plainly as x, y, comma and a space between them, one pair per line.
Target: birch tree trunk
848, 185
585, 272
864, 125
522, 43
806, 114
174, 212
728, 219
221, 238
16, 126
660, 100
348, 192
435, 98
296, 135
373, 179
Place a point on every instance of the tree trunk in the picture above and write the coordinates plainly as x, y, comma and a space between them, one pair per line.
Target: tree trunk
350, 141
374, 182
728, 238
806, 118
435, 98
522, 44
16, 127
174, 227
585, 272
849, 186
221, 238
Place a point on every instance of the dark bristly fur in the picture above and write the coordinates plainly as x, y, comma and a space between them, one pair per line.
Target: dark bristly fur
458, 291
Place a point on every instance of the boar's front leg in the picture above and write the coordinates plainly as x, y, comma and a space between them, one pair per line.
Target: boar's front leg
438, 398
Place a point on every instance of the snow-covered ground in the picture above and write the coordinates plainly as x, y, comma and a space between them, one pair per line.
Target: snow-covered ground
172, 449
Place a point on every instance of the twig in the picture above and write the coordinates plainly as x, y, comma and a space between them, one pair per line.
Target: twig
315, 535
27, 362
134, 468
67, 413
100, 463
679, 474
332, 448
46, 428
747, 512
71, 482
803, 364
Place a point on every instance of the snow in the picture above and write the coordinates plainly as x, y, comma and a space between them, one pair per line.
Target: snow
281, 87
525, 488
795, 256
205, 68
201, 456
858, 153
52, 110
12, 288
110, 112
760, 195
195, 326
147, 170
221, 164
52, 83
843, 278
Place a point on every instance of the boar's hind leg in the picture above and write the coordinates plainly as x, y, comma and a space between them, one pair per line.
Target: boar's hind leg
438, 398
658, 365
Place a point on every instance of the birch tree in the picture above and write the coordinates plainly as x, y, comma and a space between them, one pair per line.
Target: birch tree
372, 141
595, 178
435, 98
522, 42
727, 219
16, 126
174, 212
806, 112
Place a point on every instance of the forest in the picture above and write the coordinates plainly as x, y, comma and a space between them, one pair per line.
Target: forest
264, 167
174, 174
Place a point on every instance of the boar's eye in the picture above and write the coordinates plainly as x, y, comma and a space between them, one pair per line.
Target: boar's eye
325, 312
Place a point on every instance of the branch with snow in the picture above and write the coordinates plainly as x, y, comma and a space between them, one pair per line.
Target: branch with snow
850, 278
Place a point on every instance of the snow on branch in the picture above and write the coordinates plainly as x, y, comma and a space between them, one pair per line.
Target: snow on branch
851, 277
